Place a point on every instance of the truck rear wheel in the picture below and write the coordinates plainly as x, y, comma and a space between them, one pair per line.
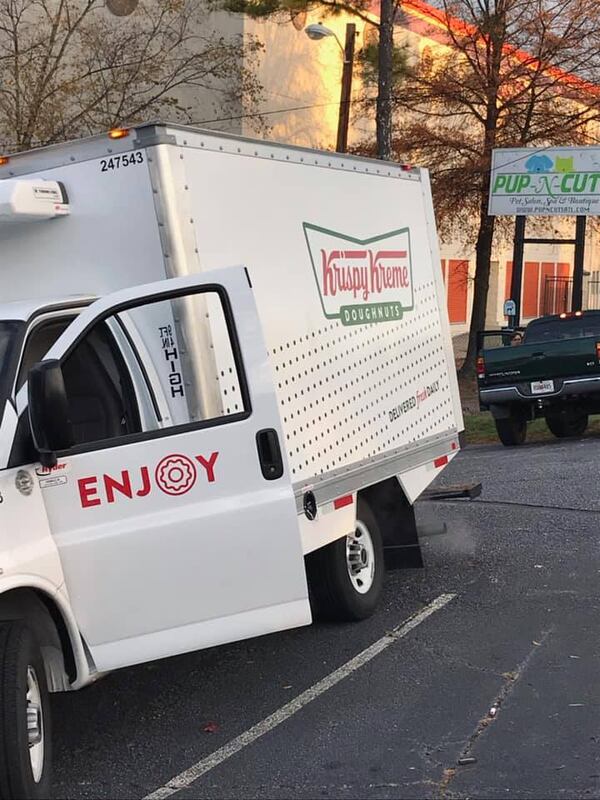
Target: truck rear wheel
511, 431
565, 425
24, 716
346, 577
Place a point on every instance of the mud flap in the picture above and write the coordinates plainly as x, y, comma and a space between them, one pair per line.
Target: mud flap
396, 519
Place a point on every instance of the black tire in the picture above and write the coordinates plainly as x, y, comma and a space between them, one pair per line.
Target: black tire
333, 593
565, 425
19, 652
512, 431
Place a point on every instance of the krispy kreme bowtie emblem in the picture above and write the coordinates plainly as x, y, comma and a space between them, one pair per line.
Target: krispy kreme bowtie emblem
362, 280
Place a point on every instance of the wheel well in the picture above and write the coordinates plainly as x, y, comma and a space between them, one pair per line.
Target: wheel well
47, 623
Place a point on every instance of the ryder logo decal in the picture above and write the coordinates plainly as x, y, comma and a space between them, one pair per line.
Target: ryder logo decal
174, 475
362, 280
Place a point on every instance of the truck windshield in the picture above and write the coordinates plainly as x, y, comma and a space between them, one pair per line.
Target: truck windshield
10, 337
555, 330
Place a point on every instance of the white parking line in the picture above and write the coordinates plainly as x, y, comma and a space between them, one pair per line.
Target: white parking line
188, 776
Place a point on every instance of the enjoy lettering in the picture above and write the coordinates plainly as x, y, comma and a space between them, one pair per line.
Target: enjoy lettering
174, 475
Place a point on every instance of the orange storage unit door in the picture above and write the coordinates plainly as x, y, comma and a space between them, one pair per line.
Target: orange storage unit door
508, 281
458, 281
531, 289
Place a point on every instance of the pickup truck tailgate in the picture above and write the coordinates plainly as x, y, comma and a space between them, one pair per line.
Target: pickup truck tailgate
539, 361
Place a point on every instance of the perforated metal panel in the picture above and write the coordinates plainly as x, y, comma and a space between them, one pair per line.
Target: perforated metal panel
350, 393
230, 395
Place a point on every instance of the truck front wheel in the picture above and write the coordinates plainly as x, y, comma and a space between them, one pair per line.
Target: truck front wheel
24, 716
511, 431
565, 425
346, 577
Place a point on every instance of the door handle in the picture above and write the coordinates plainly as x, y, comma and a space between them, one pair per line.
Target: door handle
269, 454
537, 355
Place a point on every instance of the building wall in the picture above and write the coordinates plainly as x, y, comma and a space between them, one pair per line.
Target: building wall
302, 81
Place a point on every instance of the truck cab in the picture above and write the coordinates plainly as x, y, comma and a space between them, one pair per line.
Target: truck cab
122, 484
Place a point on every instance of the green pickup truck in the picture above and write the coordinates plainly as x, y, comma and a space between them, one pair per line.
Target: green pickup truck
549, 369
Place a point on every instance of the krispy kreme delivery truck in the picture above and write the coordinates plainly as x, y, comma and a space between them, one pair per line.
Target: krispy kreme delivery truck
226, 375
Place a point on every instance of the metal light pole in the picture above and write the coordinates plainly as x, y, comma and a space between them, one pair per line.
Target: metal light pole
317, 32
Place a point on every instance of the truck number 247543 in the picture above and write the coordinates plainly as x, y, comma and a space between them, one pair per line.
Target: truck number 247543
126, 160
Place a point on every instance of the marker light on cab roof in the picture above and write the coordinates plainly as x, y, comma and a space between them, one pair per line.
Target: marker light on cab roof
118, 133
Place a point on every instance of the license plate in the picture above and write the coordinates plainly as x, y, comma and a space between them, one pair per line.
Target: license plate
542, 387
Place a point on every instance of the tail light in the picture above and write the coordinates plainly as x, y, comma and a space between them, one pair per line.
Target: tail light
480, 366
598, 351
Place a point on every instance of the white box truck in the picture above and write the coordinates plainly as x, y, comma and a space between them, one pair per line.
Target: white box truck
193, 452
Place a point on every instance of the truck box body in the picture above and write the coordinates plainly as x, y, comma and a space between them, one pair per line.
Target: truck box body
343, 260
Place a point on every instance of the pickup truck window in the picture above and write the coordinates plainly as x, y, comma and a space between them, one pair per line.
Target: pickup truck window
555, 330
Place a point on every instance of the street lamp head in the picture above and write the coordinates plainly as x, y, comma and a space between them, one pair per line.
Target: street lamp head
318, 31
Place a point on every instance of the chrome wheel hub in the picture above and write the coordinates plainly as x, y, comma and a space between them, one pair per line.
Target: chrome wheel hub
360, 558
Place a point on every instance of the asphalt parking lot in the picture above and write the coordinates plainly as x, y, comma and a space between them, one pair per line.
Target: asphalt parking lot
501, 674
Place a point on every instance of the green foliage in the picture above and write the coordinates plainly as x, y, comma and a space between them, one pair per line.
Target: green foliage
283, 9
367, 61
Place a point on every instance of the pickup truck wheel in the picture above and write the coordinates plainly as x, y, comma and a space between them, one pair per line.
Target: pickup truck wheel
346, 577
565, 425
24, 716
511, 431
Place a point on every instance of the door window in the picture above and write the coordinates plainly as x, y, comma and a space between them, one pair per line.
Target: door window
186, 351
39, 341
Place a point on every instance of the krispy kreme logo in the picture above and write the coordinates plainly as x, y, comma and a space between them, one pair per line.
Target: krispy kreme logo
362, 280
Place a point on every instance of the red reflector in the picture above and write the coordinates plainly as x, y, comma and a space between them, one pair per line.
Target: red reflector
341, 502
440, 462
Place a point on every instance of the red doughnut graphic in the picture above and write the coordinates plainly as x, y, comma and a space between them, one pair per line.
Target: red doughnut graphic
175, 474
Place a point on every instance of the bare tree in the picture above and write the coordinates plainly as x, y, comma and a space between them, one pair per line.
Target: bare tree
508, 73
68, 68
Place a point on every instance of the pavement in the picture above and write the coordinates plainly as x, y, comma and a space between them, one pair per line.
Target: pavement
493, 693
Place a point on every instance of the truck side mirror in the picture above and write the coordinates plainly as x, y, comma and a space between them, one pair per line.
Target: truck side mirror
49, 414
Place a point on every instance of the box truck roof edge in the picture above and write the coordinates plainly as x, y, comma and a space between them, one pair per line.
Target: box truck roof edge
150, 134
